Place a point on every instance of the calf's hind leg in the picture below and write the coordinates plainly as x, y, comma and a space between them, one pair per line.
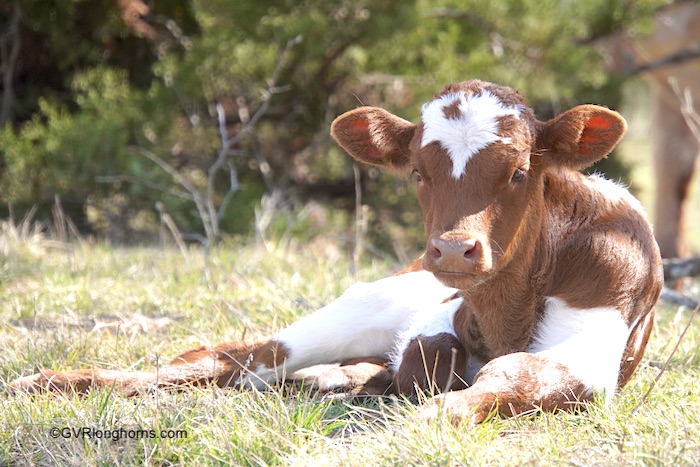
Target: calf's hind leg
195, 367
364, 322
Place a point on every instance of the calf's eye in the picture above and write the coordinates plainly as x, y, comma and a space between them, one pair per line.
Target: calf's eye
416, 176
518, 175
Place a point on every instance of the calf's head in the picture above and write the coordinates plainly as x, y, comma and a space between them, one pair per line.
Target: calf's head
478, 156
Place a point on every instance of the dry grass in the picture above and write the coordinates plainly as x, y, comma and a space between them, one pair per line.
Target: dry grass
99, 306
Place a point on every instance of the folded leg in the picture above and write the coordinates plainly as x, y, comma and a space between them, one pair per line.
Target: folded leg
358, 377
575, 357
429, 357
365, 321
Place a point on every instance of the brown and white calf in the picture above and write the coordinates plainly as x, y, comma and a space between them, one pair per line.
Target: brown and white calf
537, 284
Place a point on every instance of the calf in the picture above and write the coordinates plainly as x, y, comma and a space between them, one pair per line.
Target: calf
536, 288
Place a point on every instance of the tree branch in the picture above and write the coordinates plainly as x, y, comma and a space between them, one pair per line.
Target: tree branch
677, 58
233, 188
227, 143
671, 296
9, 60
677, 268
204, 199
169, 169
690, 115
199, 200
145, 183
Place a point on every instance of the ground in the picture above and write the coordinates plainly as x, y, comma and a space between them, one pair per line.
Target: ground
83, 305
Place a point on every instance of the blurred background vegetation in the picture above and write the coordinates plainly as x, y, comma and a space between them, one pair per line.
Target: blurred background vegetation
212, 117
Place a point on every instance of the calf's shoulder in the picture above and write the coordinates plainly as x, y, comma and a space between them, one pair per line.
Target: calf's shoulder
602, 249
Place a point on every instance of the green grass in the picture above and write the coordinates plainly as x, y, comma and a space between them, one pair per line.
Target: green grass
109, 307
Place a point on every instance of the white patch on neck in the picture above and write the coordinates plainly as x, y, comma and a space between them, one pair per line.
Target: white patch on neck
475, 129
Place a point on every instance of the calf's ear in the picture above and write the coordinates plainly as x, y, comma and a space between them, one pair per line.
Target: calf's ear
375, 136
581, 136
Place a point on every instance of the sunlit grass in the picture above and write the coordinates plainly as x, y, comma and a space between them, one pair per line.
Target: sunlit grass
110, 307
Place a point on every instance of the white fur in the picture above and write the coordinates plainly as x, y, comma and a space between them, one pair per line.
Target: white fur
428, 322
365, 321
614, 192
476, 128
590, 342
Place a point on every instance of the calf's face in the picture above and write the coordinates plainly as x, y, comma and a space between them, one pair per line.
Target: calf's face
470, 157
477, 157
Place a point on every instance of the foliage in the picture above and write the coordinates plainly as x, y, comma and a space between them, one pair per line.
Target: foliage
118, 80
59, 151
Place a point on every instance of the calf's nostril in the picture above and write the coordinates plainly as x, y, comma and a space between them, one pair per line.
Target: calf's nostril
434, 249
471, 248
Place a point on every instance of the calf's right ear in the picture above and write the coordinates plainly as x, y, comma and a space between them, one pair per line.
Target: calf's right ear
375, 136
581, 136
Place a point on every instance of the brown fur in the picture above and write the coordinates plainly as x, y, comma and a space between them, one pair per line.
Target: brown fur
514, 384
222, 365
416, 265
428, 365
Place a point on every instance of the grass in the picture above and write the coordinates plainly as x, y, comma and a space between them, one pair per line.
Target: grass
92, 305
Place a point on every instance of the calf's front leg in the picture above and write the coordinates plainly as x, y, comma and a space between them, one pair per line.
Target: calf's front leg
513, 384
576, 355
366, 321
429, 356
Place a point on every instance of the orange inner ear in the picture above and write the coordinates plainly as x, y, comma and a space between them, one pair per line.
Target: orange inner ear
360, 125
593, 132
599, 123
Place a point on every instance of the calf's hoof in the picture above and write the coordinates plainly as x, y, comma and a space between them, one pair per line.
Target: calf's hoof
457, 407
357, 379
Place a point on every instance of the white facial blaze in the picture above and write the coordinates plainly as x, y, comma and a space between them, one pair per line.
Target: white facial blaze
475, 128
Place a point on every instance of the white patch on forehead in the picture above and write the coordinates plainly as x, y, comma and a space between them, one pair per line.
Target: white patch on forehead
473, 128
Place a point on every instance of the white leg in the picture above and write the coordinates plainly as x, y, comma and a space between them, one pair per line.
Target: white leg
575, 355
363, 322
589, 342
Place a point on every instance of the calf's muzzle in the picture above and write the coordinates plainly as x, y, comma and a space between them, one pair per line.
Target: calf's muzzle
453, 252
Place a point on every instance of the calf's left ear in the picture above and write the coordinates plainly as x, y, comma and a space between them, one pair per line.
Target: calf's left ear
375, 136
581, 136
